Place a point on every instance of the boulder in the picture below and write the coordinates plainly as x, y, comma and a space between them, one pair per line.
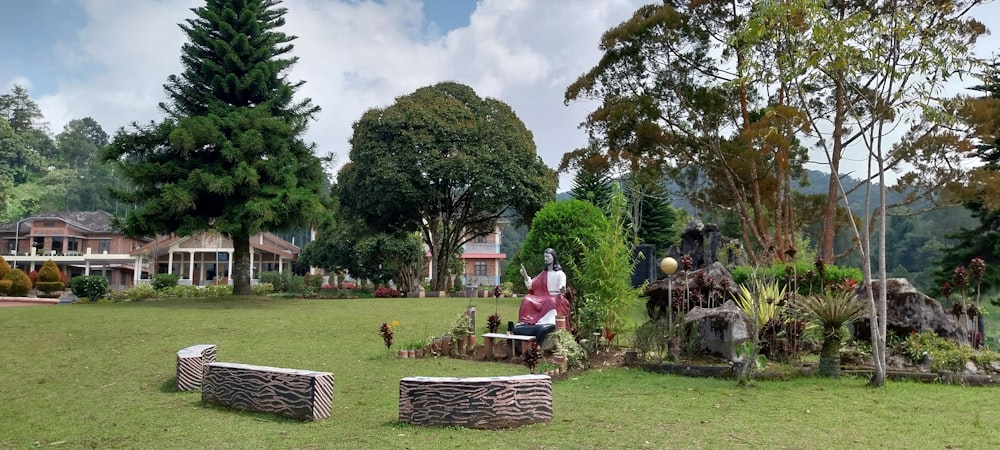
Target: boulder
910, 311
723, 329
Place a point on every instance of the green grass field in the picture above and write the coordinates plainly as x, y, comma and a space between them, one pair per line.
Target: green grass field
102, 376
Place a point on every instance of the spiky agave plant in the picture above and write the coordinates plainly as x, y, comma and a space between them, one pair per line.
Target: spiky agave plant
831, 311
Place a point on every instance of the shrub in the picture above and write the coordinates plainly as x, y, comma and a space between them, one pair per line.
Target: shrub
183, 291
568, 227
4, 272
48, 278
163, 281
387, 292
806, 277
93, 287
945, 354
313, 282
218, 290
567, 346
4, 267
20, 283
262, 288
284, 281
137, 293
33, 277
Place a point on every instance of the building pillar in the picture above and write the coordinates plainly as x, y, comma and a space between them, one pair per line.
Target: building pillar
191, 267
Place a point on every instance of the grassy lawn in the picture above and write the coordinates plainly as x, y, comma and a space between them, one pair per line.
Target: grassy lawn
102, 376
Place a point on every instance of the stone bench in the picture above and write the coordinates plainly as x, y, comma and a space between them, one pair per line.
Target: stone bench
488, 343
298, 394
190, 365
480, 402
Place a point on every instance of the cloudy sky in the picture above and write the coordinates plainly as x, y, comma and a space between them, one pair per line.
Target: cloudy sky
108, 59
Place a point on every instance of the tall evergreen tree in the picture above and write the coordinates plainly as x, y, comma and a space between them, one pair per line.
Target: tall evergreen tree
592, 186
230, 155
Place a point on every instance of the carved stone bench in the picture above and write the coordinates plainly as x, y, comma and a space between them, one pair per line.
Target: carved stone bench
190, 365
488, 343
478, 402
298, 394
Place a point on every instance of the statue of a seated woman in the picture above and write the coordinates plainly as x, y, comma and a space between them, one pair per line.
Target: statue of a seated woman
537, 315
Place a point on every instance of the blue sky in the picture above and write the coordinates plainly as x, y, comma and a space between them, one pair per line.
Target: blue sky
108, 59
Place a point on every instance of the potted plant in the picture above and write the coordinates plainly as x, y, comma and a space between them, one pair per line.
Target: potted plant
461, 329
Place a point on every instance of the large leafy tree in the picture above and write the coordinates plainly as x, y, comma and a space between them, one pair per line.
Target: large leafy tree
445, 162
671, 101
230, 155
346, 243
982, 115
856, 71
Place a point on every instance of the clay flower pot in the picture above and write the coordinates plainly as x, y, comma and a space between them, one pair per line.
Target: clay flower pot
401, 353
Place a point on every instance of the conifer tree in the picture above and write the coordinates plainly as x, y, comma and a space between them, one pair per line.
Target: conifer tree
230, 155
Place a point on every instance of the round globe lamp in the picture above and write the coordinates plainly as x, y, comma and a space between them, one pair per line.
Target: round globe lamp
668, 265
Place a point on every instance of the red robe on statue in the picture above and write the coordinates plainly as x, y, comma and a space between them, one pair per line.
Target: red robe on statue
539, 301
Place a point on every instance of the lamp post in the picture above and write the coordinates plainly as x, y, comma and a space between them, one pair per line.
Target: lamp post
669, 265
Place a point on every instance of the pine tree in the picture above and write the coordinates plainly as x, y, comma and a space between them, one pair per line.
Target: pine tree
660, 225
230, 155
592, 187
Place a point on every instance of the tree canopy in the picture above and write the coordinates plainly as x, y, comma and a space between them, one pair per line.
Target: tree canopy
229, 156
447, 163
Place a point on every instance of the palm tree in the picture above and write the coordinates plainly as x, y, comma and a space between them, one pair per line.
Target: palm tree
831, 311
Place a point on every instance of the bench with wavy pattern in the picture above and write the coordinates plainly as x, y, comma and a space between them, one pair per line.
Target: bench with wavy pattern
190, 365
298, 394
476, 402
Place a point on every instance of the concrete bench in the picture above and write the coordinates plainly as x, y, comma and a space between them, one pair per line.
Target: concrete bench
480, 402
488, 343
298, 394
190, 365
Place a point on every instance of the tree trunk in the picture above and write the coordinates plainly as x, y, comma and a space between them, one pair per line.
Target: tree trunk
829, 357
241, 264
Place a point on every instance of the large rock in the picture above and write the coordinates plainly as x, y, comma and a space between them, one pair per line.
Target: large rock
723, 329
709, 287
910, 311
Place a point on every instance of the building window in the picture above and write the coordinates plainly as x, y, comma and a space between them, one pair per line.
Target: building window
103, 245
11, 245
481, 240
72, 245
479, 269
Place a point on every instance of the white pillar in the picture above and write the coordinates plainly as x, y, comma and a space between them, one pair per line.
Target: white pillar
251, 263
170, 262
191, 267
229, 265
137, 273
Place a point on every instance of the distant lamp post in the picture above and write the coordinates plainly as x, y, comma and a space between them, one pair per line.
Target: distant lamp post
669, 265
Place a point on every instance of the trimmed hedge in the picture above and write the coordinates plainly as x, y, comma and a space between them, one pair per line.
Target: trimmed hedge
20, 283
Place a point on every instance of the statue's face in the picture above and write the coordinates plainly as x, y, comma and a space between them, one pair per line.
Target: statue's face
548, 259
